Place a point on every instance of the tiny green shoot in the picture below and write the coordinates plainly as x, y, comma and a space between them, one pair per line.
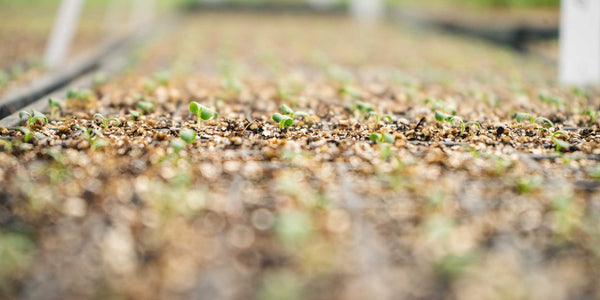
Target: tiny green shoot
105, 121
382, 137
378, 118
188, 135
178, 144
551, 100
33, 117
560, 144
286, 118
546, 123
28, 134
442, 117
202, 112
54, 107
134, 114
146, 106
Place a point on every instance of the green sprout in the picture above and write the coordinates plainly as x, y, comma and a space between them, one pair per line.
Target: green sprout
105, 121
365, 109
560, 144
551, 100
546, 123
188, 135
162, 77
178, 144
382, 137
33, 117
150, 85
93, 136
81, 95
146, 106
28, 134
438, 104
99, 79
286, 118
442, 117
135, 114
350, 91
377, 117
202, 112
593, 114
54, 107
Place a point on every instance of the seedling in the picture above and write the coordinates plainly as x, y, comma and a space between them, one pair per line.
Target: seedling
99, 79
442, 117
188, 135
438, 104
28, 134
54, 107
162, 77
365, 109
350, 91
546, 123
202, 112
135, 114
150, 85
146, 106
551, 100
92, 136
178, 144
81, 95
377, 117
560, 144
286, 118
33, 117
105, 121
593, 114
382, 137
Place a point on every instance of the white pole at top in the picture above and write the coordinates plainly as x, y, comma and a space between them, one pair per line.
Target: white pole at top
63, 31
580, 42
367, 11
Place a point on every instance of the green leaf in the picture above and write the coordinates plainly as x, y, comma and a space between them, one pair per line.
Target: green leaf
389, 118
72, 93
188, 135
277, 117
24, 113
286, 122
301, 114
195, 107
546, 123
53, 103
364, 106
286, 110
177, 144
442, 117
98, 116
115, 120
389, 138
560, 144
521, 116
145, 105
375, 137
206, 113
135, 114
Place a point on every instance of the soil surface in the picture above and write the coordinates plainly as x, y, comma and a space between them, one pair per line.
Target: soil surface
377, 194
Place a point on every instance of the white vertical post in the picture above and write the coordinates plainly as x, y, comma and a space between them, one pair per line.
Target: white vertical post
367, 11
142, 14
64, 29
580, 42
